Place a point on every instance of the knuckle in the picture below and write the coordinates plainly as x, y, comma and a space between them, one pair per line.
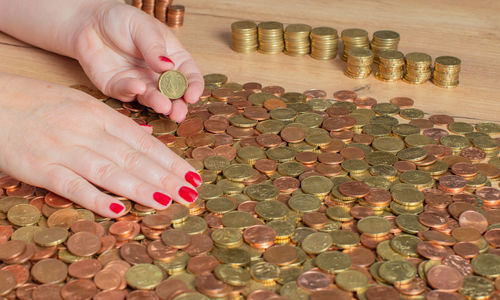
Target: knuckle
103, 171
146, 143
72, 186
131, 159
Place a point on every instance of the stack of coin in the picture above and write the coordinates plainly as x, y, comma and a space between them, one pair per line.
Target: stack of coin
271, 37
244, 36
446, 70
175, 16
384, 40
391, 65
137, 3
324, 43
148, 6
297, 39
418, 67
359, 63
354, 38
161, 7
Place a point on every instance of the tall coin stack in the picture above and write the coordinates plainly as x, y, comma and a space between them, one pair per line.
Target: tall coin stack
161, 7
244, 36
354, 38
175, 16
384, 40
418, 67
324, 43
297, 39
359, 63
270, 37
137, 3
148, 6
391, 65
446, 70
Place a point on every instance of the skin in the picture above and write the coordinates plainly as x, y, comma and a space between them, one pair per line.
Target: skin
66, 141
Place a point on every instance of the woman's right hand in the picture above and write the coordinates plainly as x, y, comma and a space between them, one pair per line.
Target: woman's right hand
66, 141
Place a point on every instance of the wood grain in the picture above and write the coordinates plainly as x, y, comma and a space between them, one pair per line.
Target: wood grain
466, 29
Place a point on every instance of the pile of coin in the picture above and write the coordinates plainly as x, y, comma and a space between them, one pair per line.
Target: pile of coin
244, 36
359, 63
384, 40
324, 43
148, 6
418, 67
161, 7
175, 15
297, 41
354, 38
391, 65
446, 70
270, 37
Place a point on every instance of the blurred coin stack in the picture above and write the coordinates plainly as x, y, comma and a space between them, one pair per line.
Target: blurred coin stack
391, 65
244, 36
297, 39
175, 15
384, 40
161, 7
359, 63
324, 43
137, 3
446, 70
270, 37
418, 67
148, 6
354, 38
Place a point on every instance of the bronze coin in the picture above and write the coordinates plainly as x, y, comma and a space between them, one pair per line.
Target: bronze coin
79, 289
84, 269
379, 292
135, 254
202, 264
281, 255
402, 102
84, 243
445, 278
345, 95
356, 189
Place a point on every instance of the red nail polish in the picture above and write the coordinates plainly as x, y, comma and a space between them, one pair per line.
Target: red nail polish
193, 178
188, 194
162, 198
116, 208
144, 125
166, 59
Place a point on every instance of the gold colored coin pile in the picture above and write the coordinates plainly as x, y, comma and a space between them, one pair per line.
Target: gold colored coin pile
359, 63
270, 37
244, 36
446, 70
297, 39
354, 38
418, 67
384, 40
324, 43
391, 65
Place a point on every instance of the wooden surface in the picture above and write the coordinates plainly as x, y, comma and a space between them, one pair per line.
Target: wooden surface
466, 29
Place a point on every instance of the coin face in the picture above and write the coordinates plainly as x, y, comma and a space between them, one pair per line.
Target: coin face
172, 84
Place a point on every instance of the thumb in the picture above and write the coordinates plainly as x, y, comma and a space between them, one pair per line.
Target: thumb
150, 40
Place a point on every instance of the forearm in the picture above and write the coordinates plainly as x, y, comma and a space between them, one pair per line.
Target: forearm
49, 24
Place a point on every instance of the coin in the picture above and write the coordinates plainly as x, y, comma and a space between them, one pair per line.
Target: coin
172, 84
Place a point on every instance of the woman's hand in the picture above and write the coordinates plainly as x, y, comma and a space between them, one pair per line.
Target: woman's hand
123, 51
65, 141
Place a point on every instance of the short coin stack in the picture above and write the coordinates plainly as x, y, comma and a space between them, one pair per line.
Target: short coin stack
175, 15
418, 67
359, 63
270, 37
354, 38
297, 39
137, 3
161, 7
391, 65
384, 40
324, 43
148, 6
446, 70
244, 36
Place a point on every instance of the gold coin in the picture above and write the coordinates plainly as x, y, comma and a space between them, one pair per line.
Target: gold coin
172, 84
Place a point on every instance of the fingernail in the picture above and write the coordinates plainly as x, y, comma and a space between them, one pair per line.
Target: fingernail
188, 194
116, 208
166, 59
193, 178
162, 198
144, 125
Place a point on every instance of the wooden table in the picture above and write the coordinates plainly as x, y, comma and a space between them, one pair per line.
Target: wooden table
466, 29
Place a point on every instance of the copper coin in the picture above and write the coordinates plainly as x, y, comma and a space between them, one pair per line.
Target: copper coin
493, 237
79, 289
365, 102
473, 154
200, 244
360, 256
330, 158
459, 263
107, 279
363, 138
110, 295
402, 102
167, 139
474, 220
314, 94
260, 236
266, 165
466, 249
20, 272
5, 233
438, 238
268, 140
255, 113
379, 292
7, 182
286, 184
431, 251
313, 280
435, 133
281, 255
176, 238
492, 216
159, 251
336, 123
333, 111
23, 190
352, 153
372, 242
252, 86
135, 254
445, 278
201, 153
421, 123
345, 95
25, 291
432, 220
441, 119
330, 293
464, 169
12, 249
169, 287
378, 197
226, 151
84, 243
457, 208
261, 295
121, 228
452, 184
202, 264
356, 189
87, 226
306, 157
442, 295
415, 287
47, 291
489, 170
274, 89
223, 139
489, 194
293, 134
316, 220
464, 234
49, 271
57, 201
85, 268
274, 103
343, 135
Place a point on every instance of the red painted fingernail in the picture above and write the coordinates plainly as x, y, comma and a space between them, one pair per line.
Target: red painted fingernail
162, 198
193, 178
145, 125
188, 194
166, 59
116, 208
